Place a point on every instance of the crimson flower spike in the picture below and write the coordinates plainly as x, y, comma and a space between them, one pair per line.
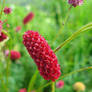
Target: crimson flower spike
42, 54
28, 18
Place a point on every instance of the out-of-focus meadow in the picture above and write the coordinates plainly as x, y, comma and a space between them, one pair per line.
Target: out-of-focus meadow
49, 15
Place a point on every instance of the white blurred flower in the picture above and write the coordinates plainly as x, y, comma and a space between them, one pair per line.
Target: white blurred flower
28, 7
48, 20
12, 6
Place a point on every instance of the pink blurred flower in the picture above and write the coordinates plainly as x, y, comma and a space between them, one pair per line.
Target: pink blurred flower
60, 84
8, 25
1, 27
23, 90
6, 52
1, 22
7, 10
18, 28
5, 21
75, 2
28, 18
33, 91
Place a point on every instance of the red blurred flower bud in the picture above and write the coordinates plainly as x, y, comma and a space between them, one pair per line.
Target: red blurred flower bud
18, 28
1, 22
75, 2
7, 10
28, 18
60, 84
14, 55
2, 36
42, 54
33, 91
1, 28
8, 25
23, 90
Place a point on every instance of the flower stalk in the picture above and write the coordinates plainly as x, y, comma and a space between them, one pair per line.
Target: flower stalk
53, 87
7, 72
85, 28
2, 8
32, 81
63, 24
3, 83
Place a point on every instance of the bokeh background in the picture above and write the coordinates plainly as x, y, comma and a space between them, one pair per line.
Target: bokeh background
49, 14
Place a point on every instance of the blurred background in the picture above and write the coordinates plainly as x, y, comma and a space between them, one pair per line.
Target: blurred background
49, 16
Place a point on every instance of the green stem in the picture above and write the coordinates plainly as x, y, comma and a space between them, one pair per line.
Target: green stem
43, 86
53, 87
66, 75
3, 84
2, 9
86, 27
7, 71
1, 73
32, 81
76, 71
63, 25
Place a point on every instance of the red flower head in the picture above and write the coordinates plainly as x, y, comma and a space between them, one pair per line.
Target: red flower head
28, 18
60, 84
7, 10
14, 55
2, 36
18, 28
23, 90
75, 2
42, 54
1, 22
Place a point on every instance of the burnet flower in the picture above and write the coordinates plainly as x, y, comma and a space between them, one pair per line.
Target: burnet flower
28, 18
14, 55
3, 36
75, 2
7, 10
42, 54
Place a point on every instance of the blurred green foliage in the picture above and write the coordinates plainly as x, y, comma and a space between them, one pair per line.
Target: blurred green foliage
48, 16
